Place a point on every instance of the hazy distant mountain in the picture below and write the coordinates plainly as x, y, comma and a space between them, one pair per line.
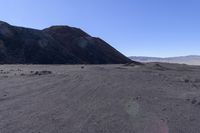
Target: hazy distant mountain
191, 59
54, 45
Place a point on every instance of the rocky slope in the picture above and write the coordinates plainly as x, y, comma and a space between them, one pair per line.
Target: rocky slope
54, 45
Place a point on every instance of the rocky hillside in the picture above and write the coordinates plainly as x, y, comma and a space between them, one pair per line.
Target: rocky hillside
54, 45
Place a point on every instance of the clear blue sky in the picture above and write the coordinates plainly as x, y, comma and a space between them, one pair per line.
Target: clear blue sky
134, 27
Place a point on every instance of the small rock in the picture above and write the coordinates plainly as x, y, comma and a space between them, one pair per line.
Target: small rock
42, 73
138, 97
188, 99
22, 74
192, 119
194, 101
32, 71
186, 80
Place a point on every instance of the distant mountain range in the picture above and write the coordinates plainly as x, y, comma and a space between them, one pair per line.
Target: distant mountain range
190, 60
54, 45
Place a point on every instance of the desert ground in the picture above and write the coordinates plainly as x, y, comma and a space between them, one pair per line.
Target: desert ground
149, 98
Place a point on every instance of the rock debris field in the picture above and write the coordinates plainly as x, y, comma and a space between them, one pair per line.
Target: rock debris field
149, 98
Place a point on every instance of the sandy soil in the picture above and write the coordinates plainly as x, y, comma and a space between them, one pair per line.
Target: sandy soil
154, 98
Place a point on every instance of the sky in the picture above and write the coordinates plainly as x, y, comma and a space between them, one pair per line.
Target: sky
159, 28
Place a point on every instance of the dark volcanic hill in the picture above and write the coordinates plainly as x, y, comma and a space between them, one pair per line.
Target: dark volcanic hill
54, 45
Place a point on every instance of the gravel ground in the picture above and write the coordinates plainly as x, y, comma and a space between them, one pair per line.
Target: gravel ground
150, 98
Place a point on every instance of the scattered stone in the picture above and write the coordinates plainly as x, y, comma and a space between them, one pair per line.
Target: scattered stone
138, 97
22, 74
194, 101
192, 119
186, 80
42, 73
32, 71
4, 72
188, 99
